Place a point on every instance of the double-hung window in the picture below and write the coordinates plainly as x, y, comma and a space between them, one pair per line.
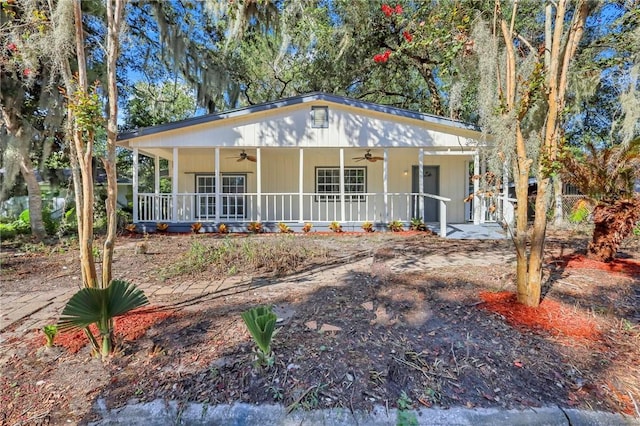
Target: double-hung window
328, 183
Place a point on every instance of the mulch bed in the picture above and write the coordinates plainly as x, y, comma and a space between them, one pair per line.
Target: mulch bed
449, 337
550, 316
629, 267
128, 328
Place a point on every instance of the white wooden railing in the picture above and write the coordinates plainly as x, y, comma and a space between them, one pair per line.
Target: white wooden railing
286, 207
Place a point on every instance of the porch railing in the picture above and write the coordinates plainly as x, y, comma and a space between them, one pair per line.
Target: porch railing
287, 207
494, 209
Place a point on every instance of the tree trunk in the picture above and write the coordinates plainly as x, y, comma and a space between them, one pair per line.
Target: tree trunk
21, 135
84, 153
35, 198
115, 9
523, 167
538, 236
558, 214
427, 74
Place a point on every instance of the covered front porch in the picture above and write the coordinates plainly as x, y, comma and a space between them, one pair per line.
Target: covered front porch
310, 185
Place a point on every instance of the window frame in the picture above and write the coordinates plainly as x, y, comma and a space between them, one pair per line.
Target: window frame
334, 197
225, 196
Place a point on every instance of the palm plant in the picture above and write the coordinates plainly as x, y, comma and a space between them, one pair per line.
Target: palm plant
100, 306
50, 331
606, 175
261, 323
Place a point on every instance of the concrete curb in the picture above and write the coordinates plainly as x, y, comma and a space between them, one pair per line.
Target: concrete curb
160, 413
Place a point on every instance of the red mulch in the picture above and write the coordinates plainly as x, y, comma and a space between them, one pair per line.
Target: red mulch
624, 266
128, 327
550, 316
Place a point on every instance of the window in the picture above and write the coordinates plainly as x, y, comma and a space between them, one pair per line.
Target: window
328, 182
232, 204
320, 117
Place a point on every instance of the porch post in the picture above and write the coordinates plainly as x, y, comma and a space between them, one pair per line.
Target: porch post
156, 185
258, 186
421, 183
476, 189
342, 210
156, 177
301, 187
218, 185
385, 184
174, 186
135, 185
505, 188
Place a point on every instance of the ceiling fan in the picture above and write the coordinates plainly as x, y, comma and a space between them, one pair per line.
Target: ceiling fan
244, 156
369, 157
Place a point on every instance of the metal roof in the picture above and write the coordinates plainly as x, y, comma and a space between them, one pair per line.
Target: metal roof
296, 100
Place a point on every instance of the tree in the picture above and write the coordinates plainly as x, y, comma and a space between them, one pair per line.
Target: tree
522, 101
152, 104
27, 100
606, 175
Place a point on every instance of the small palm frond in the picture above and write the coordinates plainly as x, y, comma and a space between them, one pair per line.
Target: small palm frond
100, 305
261, 322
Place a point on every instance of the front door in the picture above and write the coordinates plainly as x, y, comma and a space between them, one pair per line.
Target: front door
431, 179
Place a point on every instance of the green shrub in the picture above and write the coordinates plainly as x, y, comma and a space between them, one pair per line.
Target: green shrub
580, 212
50, 224
24, 216
7, 231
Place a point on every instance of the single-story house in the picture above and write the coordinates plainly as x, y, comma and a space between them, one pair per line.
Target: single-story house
315, 158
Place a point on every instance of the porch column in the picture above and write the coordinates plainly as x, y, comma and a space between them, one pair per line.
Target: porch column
342, 210
385, 184
156, 177
476, 189
505, 189
258, 186
156, 185
421, 183
301, 187
218, 185
174, 186
135, 185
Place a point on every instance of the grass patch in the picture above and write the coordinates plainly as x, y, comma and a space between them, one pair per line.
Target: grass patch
272, 255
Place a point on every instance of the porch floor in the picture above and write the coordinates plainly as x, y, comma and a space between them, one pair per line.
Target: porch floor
469, 231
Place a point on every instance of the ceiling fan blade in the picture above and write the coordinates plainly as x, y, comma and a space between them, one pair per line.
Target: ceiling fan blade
377, 158
252, 158
240, 159
356, 159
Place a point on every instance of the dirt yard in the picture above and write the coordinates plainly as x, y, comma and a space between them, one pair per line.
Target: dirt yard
414, 319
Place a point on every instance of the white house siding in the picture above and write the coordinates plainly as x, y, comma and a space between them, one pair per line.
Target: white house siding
291, 127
